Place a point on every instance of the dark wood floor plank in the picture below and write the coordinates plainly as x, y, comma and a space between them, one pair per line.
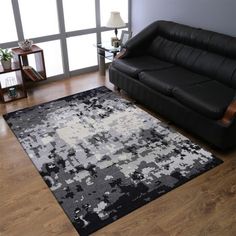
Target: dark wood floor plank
204, 206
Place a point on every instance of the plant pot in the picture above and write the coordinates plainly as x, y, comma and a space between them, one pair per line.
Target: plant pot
6, 64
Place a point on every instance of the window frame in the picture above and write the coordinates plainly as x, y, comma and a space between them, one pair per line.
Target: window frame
63, 35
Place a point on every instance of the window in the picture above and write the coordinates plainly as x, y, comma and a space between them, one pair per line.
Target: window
8, 29
53, 57
39, 18
66, 30
81, 51
8, 79
106, 36
79, 14
113, 5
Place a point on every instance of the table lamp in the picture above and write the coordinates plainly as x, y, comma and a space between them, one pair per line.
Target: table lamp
115, 21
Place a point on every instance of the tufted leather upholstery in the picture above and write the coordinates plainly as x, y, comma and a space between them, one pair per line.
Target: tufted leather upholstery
197, 38
205, 62
201, 51
191, 67
210, 98
133, 66
165, 82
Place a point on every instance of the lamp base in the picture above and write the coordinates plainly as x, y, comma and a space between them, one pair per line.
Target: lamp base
115, 42
113, 39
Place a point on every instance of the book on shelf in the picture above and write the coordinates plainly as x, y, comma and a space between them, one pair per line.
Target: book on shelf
32, 73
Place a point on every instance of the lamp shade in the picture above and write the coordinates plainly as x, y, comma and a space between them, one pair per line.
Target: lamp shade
115, 20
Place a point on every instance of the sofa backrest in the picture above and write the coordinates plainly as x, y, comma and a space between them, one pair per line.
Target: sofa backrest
204, 52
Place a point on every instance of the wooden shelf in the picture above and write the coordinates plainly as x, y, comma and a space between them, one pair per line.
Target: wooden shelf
10, 82
20, 52
32, 74
23, 72
20, 94
12, 78
14, 67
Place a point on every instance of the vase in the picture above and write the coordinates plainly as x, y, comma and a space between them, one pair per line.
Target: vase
6, 64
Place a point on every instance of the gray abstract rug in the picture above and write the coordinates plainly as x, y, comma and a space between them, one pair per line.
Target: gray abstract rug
103, 157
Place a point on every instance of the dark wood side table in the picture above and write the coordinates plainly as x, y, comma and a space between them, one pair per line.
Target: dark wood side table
105, 51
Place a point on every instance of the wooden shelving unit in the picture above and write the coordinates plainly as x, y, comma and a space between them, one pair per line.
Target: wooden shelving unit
12, 78
30, 73
21, 73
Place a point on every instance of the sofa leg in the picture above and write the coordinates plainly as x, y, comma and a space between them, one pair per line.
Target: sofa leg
117, 88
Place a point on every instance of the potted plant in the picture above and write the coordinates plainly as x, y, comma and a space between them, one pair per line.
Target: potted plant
5, 56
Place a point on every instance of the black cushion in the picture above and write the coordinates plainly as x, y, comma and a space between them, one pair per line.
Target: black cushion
166, 80
214, 42
197, 60
134, 65
210, 98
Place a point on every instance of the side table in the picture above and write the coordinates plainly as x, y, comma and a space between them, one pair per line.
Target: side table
105, 51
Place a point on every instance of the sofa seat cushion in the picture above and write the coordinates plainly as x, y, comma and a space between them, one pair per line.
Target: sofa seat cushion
134, 65
165, 81
210, 98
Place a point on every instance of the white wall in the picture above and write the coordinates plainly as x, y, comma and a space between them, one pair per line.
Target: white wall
216, 15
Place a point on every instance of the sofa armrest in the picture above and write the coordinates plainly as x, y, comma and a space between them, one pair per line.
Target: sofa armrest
230, 113
138, 44
121, 54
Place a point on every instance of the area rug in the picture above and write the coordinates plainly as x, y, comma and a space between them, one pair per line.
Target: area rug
102, 156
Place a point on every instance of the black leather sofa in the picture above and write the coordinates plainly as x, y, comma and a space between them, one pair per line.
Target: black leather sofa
187, 75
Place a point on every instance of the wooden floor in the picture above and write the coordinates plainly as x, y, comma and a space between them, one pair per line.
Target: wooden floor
204, 206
